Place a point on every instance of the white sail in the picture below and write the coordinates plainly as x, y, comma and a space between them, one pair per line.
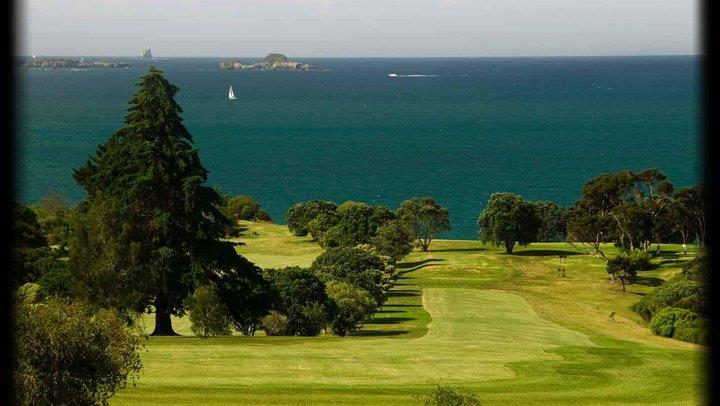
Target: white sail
231, 94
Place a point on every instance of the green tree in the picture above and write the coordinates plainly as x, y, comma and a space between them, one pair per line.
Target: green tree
30, 254
163, 218
394, 240
553, 222
354, 266
508, 220
425, 219
353, 306
621, 267
53, 212
357, 223
300, 295
300, 214
693, 202
244, 208
208, 314
71, 354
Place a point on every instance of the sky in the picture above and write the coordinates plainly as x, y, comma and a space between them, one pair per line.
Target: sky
358, 28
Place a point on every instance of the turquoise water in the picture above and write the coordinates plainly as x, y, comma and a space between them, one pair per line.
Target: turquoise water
539, 127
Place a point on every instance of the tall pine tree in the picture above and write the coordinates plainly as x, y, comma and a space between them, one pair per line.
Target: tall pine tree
150, 225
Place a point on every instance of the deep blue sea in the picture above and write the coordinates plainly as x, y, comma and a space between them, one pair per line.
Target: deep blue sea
539, 127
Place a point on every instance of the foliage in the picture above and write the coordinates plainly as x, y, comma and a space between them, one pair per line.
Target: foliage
162, 218
553, 222
245, 293
508, 219
208, 314
244, 208
28, 293
56, 280
69, 353
300, 214
355, 223
30, 253
53, 213
425, 219
275, 324
640, 260
449, 396
692, 202
622, 268
299, 294
394, 240
353, 306
663, 323
354, 266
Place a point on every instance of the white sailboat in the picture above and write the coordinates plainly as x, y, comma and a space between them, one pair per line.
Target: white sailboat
231, 94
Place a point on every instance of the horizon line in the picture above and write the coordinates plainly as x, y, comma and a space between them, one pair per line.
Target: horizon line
373, 57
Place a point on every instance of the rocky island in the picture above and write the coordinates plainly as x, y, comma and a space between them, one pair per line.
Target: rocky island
55, 63
146, 54
270, 62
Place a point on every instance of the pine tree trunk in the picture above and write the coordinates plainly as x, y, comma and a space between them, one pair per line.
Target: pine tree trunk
163, 323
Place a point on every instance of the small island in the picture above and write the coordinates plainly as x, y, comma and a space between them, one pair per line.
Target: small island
270, 62
56, 63
146, 54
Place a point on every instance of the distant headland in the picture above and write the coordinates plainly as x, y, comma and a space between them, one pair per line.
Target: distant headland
270, 62
55, 63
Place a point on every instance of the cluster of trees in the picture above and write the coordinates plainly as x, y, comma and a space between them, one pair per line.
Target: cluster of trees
242, 208
342, 288
634, 210
508, 220
680, 308
631, 210
353, 223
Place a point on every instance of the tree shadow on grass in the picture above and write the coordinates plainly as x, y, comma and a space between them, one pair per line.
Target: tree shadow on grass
389, 311
380, 333
401, 305
388, 320
473, 249
405, 265
544, 253
402, 293
648, 281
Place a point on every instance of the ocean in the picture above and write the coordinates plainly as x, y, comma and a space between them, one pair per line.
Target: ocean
456, 129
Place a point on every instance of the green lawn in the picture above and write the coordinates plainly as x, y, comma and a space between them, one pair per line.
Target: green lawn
503, 326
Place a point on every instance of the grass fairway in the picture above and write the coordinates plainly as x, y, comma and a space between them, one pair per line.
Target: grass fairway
505, 327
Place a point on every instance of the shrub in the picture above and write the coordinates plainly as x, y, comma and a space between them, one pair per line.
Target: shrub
275, 324
56, 280
208, 314
692, 331
29, 293
352, 265
69, 353
244, 208
300, 295
663, 324
353, 306
448, 396
677, 292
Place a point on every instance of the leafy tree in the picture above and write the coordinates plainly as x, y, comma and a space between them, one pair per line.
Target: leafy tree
53, 214
588, 227
275, 324
301, 214
693, 202
507, 220
394, 240
621, 267
353, 306
356, 224
162, 217
30, 254
553, 222
300, 295
425, 219
320, 225
245, 293
354, 266
244, 208
448, 396
71, 354
208, 314
633, 225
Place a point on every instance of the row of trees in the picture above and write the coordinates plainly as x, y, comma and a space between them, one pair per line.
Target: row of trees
353, 223
631, 210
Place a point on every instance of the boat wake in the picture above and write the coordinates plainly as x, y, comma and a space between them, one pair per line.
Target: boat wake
395, 75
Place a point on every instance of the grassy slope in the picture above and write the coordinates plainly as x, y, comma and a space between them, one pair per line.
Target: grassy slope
506, 327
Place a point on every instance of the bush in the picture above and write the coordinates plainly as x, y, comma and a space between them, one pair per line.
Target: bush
69, 353
692, 331
300, 295
664, 322
353, 306
208, 314
447, 396
275, 324
677, 292
244, 208
56, 280
352, 265
29, 293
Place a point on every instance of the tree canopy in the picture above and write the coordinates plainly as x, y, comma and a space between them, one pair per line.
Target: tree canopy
508, 219
425, 219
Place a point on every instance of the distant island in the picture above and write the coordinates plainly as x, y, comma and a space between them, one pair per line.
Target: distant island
146, 54
55, 63
270, 62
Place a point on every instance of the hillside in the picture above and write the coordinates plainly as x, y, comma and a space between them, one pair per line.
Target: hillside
505, 327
